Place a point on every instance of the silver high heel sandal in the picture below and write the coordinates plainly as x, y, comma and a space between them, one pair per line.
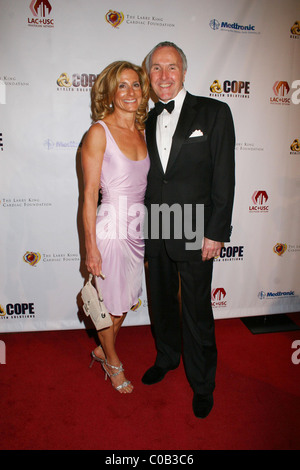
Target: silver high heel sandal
118, 371
96, 358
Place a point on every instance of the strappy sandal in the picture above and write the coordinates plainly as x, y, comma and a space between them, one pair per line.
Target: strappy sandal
118, 371
96, 358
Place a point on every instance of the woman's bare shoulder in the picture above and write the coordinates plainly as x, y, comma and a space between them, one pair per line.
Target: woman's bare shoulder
95, 136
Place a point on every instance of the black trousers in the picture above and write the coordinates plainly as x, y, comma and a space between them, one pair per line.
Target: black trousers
193, 332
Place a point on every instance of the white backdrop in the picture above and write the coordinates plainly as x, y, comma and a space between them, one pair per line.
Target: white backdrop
244, 52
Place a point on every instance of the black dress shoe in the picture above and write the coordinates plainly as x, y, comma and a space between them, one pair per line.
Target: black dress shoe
155, 374
202, 405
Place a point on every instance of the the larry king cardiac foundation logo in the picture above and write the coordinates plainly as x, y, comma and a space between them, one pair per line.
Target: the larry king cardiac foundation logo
136, 306
114, 18
31, 258
40, 10
279, 248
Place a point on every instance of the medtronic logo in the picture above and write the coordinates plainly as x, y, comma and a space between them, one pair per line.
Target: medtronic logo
214, 24
237, 27
261, 295
270, 295
233, 27
281, 294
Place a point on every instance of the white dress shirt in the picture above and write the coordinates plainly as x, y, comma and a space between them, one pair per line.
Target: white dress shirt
165, 128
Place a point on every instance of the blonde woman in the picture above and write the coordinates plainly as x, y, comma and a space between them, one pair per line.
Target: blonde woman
115, 159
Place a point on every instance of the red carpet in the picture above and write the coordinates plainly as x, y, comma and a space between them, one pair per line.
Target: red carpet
50, 399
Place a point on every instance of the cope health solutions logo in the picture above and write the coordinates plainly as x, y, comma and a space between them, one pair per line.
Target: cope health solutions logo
17, 311
295, 30
80, 82
230, 88
230, 253
295, 147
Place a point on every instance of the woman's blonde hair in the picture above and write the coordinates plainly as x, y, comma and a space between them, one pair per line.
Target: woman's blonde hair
105, 87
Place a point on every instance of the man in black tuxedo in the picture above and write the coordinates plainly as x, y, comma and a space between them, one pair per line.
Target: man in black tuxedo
191, 147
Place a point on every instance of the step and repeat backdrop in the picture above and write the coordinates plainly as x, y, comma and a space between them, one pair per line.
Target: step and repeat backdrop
243, 52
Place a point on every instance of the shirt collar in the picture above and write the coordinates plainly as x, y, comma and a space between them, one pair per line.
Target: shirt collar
179, 99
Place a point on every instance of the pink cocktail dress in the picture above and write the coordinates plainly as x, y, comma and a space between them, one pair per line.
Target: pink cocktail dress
119, 227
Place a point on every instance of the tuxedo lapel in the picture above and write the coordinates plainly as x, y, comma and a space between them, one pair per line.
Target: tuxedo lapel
187, 115
151, 141
186, 118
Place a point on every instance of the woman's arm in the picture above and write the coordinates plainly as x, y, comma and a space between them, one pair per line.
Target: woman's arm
92, 158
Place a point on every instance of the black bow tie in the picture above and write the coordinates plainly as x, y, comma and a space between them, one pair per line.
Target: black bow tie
160, 106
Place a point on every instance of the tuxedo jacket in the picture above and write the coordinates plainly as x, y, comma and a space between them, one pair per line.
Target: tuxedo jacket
200, 170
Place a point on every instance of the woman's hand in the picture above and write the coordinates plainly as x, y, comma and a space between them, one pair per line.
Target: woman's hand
93, 262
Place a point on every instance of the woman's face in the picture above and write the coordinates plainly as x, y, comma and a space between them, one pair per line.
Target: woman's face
128, 95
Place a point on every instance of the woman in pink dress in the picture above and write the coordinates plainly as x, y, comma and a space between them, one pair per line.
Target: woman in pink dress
115, 158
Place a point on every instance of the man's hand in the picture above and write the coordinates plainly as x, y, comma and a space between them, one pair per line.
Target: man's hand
210, 249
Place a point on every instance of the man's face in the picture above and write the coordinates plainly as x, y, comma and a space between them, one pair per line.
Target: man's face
166, 73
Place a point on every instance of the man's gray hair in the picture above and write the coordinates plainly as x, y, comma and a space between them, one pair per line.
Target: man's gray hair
148, 60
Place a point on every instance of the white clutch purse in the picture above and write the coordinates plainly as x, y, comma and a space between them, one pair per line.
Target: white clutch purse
93, 305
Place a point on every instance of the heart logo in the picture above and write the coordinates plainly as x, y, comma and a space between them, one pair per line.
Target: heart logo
31, 258
114, 18
279, 248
